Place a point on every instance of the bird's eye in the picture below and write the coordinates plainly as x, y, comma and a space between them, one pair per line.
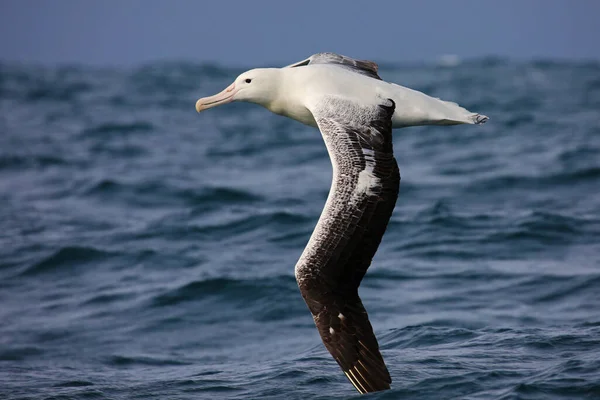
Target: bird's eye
248, 80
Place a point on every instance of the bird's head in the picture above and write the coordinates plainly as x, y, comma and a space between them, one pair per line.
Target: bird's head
258, 86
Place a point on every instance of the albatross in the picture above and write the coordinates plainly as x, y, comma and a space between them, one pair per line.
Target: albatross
355, 110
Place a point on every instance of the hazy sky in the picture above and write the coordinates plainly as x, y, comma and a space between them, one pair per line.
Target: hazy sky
119, 32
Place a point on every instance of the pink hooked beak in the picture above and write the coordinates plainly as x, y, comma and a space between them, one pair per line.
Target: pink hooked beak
226, 96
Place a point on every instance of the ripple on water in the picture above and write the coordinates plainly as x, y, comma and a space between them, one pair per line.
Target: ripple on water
67, 260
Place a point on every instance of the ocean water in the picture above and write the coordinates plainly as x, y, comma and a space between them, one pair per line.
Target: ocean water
148, 252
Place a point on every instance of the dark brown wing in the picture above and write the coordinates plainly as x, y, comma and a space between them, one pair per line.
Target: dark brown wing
347, 333
363, 194
365, 67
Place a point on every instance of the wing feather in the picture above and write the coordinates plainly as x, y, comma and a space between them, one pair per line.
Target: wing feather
329, 272
365, 67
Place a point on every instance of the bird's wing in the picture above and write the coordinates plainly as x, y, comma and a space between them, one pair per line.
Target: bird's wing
368, 68
361, 200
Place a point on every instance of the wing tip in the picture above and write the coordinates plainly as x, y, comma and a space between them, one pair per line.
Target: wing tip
479, 119
371, 375
368, 384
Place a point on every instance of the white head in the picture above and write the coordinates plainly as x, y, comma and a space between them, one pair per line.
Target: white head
258, 86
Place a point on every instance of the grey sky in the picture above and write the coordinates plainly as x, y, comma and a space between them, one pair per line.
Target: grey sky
259, 32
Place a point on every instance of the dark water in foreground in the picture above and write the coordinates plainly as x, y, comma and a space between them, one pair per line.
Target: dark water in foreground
147, 252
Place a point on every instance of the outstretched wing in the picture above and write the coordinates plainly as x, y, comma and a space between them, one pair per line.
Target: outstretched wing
362, 197
368, 68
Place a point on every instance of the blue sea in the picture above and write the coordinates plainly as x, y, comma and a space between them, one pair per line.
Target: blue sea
148, 252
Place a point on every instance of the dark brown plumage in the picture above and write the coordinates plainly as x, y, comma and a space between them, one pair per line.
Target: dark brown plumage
348, 235
364, 67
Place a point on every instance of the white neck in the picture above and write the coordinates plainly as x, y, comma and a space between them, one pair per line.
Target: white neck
289, 96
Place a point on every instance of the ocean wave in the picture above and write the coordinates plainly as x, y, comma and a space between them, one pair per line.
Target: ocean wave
67, 260
17, 162
582, 175
228, 289
20, 353
119, 128
158, 192
126, 361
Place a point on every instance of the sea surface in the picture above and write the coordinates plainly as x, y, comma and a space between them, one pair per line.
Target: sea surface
148, 252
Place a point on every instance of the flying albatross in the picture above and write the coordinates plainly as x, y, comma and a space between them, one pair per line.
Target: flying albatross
355, 110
